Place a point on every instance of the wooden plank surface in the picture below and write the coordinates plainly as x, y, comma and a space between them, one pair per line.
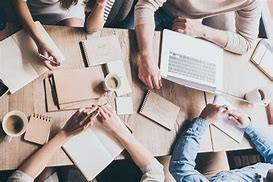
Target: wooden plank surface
156, 138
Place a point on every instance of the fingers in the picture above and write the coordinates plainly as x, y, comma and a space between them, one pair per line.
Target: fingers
103, 114
49, 65
156, 82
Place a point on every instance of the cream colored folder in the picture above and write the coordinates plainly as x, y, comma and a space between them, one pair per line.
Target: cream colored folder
78, 84
160, 110
19, 59
93, 150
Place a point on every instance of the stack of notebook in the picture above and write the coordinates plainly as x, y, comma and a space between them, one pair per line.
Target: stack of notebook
73, 88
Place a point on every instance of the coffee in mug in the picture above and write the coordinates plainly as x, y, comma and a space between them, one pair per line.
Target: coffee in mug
111, 82
14, 124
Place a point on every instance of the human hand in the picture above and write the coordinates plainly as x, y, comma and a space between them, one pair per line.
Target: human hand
80, 121
110, 120
101, 2
148, 72
188, 27
212, 113
45, 50
239, 118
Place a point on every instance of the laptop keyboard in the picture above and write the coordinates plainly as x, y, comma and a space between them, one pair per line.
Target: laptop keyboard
192, 67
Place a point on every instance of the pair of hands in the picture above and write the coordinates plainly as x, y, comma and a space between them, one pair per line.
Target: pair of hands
148, 71
81, 120
212, 113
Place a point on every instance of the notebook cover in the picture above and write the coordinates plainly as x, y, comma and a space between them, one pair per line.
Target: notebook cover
102, 50
160, 110
78, 84
263, 58
52, 107
38, 129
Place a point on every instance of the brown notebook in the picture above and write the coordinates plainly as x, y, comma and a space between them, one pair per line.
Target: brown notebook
38, 129
102, 50
160, 110
78, 84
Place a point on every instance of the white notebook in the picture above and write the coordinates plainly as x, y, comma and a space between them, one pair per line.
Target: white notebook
92, 150
19, 59
226, 125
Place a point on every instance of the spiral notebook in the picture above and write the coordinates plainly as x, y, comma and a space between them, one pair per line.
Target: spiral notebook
101, 50
160, 110
38, 129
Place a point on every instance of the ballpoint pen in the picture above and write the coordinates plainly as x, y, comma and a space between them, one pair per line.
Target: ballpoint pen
44, 58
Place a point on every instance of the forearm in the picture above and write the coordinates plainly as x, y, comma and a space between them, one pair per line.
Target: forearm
218, 37
95, 20
262, 144
38, 161
26, 19
185, 151
145, 34
140, 155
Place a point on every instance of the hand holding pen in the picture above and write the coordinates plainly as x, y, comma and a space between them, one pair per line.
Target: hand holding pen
49, 58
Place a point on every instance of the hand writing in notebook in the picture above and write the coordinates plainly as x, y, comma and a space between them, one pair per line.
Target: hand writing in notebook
80, 121
212, 113
46, 51
239, 118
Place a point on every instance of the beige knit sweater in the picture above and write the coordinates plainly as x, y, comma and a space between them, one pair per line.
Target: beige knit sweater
247, 17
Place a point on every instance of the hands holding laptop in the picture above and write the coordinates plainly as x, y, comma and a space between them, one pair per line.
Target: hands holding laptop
212, 113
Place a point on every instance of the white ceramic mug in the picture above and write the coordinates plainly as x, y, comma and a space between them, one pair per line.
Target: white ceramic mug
112, 82
259, 95
14, 124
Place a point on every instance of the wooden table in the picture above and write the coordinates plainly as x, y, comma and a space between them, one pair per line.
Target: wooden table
156, 138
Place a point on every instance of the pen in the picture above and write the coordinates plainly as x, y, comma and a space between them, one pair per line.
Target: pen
46, 58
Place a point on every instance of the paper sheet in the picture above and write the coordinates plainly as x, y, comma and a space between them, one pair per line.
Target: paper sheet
226, 125
19, 59
124, 105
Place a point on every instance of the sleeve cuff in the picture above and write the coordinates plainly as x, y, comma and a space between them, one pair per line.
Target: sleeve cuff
20, 176
153, 166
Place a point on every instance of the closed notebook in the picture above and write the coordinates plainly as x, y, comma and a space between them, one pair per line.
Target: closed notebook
225, 124
160, 110
78, 84
38, 129
19, 59
93, 150
101, 50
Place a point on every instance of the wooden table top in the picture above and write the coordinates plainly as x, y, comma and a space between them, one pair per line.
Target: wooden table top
157, 139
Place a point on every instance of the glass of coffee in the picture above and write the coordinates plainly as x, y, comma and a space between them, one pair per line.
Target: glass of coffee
14, 124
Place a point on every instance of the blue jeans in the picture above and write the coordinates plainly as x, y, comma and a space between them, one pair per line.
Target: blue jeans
182, 165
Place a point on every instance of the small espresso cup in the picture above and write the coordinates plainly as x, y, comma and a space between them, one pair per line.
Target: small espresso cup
112, 82
259, 96
14, 124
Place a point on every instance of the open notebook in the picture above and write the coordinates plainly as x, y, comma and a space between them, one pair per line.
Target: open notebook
19, 59
93, 150
225, 125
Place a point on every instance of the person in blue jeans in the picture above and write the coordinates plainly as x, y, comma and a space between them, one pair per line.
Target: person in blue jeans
182, 165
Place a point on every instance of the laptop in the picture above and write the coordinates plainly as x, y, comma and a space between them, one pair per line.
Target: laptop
192, 62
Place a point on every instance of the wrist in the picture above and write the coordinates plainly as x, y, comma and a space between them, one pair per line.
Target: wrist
101, 4
63, 136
